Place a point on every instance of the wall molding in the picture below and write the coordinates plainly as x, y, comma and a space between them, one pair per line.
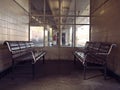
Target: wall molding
99, 6
21, 6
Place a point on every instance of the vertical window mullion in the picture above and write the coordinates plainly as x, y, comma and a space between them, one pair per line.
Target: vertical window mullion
44, 19
74, 39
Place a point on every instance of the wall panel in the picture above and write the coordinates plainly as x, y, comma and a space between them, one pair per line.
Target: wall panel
13, 26
105, 27
13, 21
61, 53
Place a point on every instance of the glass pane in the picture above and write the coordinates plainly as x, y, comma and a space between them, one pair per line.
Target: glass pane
40, 6
52, 21
37, 35
82, 7
67, 35
67, 7
54, 6
51, 36
82, 20
82, 35
67, 20
55, 38
48, 36
62, 17
71, 8
62, 7
37, 20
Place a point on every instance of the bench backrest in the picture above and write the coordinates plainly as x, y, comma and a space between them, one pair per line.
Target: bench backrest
102, 47
18, 46
106, 48
92, 46
27, 44
12, 46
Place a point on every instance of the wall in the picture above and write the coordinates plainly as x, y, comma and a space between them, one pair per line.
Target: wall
13, 21
23, 3
105, 27
13, 26
59, 53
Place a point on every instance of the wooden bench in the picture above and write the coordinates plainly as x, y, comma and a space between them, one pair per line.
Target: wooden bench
94, 53
24, 51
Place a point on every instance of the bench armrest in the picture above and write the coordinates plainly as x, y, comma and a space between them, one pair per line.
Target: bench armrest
101, 53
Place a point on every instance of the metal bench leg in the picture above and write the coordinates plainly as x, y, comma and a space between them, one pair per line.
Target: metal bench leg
33, 71
84, 71
105, 71
74, 59
13, 67
43, 59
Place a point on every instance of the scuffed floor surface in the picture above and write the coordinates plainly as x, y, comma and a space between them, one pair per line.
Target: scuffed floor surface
57, 75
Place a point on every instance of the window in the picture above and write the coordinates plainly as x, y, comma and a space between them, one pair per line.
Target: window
37, 35
66, 23
82, 35
67, 36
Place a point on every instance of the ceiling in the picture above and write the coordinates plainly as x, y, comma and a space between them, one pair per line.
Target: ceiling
56, 12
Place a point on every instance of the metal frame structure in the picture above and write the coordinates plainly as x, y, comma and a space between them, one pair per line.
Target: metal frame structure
59, 24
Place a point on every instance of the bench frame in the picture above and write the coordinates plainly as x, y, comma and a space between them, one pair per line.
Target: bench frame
24, 51
94, 53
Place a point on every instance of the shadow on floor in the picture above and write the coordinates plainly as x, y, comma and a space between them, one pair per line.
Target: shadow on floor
56, 75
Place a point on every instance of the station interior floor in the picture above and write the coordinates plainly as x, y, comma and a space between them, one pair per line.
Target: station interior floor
56, 75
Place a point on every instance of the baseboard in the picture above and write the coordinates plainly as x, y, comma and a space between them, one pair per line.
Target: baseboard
5, 72
110, 72
113, 74
9, 69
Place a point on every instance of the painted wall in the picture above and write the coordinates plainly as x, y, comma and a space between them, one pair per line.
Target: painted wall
13, 26
59, 53
105, 27
13, 21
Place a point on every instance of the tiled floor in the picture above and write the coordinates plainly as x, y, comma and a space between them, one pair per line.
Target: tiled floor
57, 75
